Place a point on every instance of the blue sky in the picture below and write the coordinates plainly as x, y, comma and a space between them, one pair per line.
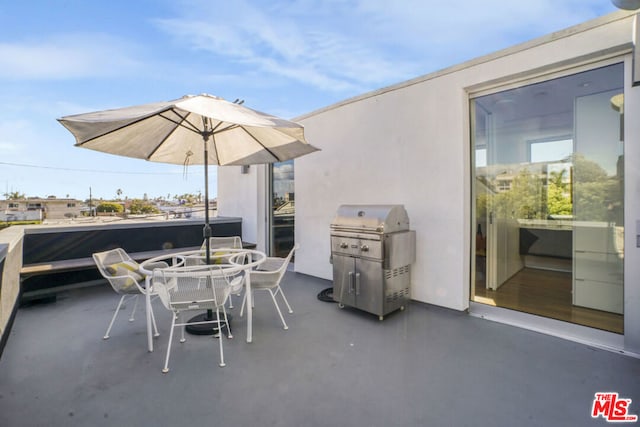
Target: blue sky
288, 58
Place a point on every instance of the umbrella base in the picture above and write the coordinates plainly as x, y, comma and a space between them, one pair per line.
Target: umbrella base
207, 328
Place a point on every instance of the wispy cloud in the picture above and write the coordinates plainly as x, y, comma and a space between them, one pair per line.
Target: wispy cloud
282, 43
468, 24
69, 56
353, 45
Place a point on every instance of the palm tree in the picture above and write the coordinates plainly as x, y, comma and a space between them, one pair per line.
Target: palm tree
14, 195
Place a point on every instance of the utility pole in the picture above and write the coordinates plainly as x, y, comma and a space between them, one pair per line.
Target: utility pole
90, 204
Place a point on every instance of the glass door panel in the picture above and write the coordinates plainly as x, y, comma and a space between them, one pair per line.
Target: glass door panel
282, 208
549, 200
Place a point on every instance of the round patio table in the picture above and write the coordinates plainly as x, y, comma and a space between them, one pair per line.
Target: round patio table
252, 258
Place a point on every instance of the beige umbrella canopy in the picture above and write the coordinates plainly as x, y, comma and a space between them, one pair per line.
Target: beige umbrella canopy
202, 129
174, 132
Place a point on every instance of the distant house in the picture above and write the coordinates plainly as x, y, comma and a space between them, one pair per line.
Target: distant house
35, 208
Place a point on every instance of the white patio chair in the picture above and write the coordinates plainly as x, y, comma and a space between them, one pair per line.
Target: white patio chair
228, 242
125, 277
201, 287
232, 242
268, 277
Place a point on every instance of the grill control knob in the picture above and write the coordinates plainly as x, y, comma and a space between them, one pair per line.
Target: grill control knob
343, 245
364, 248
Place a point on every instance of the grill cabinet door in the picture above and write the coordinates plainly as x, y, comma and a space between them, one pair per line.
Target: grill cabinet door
369, 286
344, 280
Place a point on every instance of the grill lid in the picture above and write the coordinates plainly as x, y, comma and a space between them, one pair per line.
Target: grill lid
371, 218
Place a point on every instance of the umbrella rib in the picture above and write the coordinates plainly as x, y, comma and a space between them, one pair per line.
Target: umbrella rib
259, 143
231, 126
141, 119
213, 132
191, 127
178, 124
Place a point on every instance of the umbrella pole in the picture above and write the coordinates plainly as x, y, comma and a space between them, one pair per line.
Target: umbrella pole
207, 228
206, 329
206, 231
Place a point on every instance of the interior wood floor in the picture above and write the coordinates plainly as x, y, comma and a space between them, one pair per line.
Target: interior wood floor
546, 293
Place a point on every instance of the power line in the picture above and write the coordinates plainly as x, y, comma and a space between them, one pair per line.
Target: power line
24, 165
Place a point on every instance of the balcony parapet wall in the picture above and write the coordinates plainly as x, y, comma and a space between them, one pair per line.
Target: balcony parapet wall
10, 265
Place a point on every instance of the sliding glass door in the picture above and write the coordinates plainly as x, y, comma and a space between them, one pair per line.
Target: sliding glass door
548, 197
282, 208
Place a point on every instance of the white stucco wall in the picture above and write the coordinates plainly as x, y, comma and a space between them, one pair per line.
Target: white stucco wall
388, 149
410, 144
241, 195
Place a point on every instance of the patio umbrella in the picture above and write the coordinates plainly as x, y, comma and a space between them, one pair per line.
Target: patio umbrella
201, 129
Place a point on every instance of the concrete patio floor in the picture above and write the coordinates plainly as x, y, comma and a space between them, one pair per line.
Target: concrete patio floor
425, 366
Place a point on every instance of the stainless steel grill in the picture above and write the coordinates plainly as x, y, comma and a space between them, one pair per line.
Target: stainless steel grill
372, 250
